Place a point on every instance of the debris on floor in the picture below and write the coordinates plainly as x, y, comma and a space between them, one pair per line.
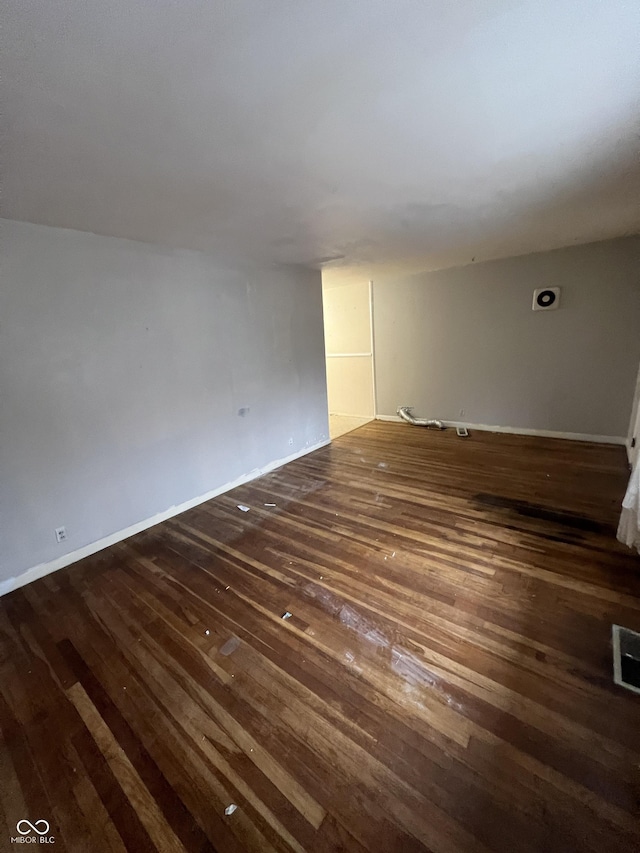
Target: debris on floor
243, 508
405, 414
286, 615
207, 632
270, 504
230, 809
230, 646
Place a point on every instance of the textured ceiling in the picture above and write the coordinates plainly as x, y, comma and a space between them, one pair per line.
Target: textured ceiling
376, 132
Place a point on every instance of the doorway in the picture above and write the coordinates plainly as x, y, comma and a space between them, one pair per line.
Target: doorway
349, 350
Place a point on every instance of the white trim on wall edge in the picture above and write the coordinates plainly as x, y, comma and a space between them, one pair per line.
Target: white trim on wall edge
543, 433
43, 569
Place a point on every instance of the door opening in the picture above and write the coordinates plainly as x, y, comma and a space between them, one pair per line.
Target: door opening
349, 349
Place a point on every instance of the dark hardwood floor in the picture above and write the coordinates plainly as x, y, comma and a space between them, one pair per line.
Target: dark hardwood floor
443, 683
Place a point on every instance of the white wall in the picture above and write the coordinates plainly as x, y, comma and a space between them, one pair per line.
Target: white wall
347, 324
123, 367
467, 339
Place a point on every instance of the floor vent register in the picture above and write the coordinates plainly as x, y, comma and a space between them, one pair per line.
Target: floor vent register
626, 658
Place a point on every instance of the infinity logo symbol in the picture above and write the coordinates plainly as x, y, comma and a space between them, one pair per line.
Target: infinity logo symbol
32, 827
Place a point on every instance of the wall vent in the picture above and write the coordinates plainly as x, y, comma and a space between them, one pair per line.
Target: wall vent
546, 299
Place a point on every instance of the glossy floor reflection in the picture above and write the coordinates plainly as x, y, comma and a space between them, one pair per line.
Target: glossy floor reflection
443, 682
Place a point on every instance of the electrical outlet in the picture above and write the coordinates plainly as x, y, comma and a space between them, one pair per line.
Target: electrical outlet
61, 534
461, 413
291, 442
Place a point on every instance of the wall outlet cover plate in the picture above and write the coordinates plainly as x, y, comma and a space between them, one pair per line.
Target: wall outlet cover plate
463, 432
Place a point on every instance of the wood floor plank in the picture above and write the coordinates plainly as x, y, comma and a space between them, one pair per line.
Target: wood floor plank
442, 684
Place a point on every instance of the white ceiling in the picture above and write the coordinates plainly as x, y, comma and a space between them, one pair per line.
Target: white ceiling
391, 132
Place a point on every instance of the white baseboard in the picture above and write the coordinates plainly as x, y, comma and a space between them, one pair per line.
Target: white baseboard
43, 569
345, 415
544, 433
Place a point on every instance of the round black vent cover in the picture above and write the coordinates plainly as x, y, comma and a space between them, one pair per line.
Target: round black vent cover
546, 298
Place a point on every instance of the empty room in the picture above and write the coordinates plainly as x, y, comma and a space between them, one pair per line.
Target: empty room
319, 423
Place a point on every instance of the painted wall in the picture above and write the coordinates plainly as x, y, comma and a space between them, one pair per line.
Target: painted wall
124, 368
347, 324
467, 339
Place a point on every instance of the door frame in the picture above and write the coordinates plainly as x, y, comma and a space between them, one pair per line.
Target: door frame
634, 426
